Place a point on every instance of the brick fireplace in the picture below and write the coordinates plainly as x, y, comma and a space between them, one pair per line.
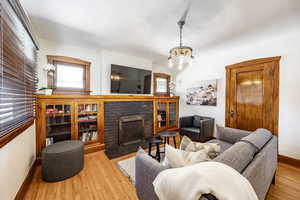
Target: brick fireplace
126, 124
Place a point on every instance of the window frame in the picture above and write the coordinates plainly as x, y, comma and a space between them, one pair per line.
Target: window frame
162, 76
52, 80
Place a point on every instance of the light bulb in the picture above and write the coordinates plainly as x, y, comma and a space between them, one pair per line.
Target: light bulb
170, 62
191, 62
180, 67
181, 60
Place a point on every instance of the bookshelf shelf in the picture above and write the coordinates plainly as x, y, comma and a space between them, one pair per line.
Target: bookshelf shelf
87, 113
87, 130
58, 114
87, 121
58, 122
58, 133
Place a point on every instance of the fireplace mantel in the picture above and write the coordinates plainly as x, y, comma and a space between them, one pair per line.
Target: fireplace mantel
108, 97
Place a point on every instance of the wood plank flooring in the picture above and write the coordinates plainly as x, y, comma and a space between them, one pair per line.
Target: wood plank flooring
102, 180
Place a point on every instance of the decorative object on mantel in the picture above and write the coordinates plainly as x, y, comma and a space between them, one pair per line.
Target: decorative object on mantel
181, 55
172, 86
204, 94
50, 69
46, 90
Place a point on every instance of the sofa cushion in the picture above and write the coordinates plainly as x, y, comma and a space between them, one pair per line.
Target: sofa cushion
230, 135
224, 145
191, 129
258, 138
238, 156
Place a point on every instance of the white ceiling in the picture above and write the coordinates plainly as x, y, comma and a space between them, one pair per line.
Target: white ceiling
148, 28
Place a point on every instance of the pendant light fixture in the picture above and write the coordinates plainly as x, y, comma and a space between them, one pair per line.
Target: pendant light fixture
180, 55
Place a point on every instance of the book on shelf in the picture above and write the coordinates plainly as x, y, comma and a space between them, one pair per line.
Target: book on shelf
88, 136
94, 107
92, 117
95, 135
87, 108
83, 136
49, 140
159, 118
83, 118
80, 108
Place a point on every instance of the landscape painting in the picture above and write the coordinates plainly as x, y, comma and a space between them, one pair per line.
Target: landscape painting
204, 94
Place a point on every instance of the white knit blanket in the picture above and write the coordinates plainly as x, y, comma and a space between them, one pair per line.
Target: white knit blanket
189, 183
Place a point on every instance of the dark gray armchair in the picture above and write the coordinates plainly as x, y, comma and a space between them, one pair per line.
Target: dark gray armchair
198, 128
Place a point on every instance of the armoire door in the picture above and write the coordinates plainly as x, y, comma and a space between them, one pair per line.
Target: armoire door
252, 94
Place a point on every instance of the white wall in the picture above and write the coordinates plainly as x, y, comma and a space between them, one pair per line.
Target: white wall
162, 68
16, 159
86, 53
211, 64
110, 57
101, 60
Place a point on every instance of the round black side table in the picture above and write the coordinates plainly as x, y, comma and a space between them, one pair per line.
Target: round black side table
157, 142
166, 137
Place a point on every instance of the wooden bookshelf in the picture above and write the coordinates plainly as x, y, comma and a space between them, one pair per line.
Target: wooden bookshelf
64, 117
166, 114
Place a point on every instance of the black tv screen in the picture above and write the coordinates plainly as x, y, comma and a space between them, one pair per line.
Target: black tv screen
128, 80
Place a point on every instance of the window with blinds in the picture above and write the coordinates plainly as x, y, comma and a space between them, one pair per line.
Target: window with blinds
18, 77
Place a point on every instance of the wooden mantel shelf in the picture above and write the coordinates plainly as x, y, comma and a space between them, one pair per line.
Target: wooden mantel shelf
105, 97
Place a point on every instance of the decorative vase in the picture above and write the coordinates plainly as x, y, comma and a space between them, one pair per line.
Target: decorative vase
48, 91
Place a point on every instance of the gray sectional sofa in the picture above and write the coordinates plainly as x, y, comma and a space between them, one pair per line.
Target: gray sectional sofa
253, 154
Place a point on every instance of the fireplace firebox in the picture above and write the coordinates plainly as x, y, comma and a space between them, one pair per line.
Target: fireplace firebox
126, 125
131, 129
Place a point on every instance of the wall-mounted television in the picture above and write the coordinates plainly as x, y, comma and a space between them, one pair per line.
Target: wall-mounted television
128, 80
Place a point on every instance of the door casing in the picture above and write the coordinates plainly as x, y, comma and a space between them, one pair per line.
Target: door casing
267, 62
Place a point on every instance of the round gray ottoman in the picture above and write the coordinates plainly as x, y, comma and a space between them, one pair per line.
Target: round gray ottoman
62, 160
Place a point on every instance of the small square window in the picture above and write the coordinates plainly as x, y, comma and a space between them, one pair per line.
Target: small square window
161, 85
69, 76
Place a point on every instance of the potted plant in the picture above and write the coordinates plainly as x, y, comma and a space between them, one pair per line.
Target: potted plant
47, 90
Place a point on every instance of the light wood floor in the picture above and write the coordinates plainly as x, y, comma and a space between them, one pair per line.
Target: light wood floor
101, 179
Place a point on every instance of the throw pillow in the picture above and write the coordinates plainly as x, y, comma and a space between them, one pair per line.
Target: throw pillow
230, 135
179, 158
185, 141
140, 151
213, 149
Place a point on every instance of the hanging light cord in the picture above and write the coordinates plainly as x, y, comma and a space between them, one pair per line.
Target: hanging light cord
180, 24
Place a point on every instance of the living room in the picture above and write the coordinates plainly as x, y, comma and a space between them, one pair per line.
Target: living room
85, 85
